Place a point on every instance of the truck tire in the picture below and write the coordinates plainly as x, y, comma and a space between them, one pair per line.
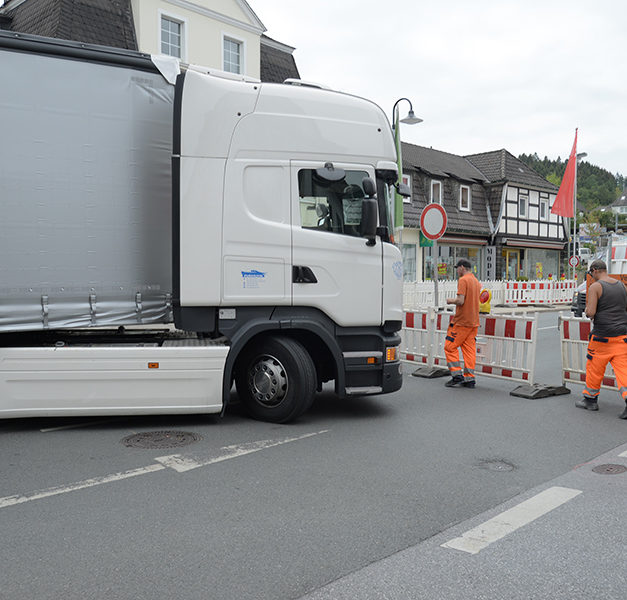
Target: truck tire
276, 381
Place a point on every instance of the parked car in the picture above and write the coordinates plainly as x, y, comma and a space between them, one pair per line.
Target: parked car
584, 255
578, 305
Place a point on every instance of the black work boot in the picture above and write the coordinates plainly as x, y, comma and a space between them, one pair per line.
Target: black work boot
587, 404
470, 383
623, 415
455, 380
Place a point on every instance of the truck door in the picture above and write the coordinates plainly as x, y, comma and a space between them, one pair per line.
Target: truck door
333, 268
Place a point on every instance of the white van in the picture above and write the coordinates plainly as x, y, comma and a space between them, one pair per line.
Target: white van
584, 255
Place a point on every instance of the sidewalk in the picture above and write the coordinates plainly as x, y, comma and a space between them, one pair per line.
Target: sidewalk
563, 540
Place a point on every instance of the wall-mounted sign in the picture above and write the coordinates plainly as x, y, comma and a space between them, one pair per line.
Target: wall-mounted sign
490, 262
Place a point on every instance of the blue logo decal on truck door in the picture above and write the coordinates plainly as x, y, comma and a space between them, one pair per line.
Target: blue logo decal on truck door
397, 267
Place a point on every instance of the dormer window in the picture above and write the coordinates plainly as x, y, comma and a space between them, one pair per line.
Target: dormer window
436, 191
464, 198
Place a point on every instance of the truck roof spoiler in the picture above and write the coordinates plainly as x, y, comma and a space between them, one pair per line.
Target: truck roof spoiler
222, 74
311, 84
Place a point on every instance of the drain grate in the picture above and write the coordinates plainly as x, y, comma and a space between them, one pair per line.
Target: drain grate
610, 469
161, 439
496, 465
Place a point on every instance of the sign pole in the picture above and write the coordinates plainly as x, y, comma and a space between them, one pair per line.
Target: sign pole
435, 274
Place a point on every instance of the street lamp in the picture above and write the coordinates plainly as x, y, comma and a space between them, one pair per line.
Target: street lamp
410, 119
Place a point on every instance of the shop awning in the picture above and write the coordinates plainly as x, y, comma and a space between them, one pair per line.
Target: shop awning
535, 244
447, 239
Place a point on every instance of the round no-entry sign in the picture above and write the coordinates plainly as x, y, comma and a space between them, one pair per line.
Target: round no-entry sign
433, 221
573, 261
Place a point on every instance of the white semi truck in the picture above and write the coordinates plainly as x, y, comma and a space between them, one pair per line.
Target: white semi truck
161, 240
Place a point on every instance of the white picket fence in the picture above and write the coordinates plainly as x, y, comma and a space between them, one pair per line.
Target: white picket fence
515, 293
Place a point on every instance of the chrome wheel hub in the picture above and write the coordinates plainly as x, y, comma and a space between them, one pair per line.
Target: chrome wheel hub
267, 380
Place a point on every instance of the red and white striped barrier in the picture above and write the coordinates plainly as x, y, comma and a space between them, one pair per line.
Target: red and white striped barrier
539, 292
543, 291
619, 252
505, 344
574, 334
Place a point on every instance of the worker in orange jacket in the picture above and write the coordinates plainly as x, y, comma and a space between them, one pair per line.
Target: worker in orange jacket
606, 305
462, 332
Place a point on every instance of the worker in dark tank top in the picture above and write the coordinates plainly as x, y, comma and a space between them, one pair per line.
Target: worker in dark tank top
606, 305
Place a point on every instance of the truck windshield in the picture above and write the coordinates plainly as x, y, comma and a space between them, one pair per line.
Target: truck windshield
333, 206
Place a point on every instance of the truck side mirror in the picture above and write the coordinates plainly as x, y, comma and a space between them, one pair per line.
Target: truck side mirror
369, 212
403, 190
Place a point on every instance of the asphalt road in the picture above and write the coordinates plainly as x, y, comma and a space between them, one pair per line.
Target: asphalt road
358, 492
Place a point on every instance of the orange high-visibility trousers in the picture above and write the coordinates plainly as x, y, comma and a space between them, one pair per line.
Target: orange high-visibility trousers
465, 338
602, 350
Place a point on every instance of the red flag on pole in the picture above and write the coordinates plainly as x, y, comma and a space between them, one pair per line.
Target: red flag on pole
564, 204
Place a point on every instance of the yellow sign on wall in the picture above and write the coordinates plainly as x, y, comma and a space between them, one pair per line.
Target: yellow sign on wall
538, 270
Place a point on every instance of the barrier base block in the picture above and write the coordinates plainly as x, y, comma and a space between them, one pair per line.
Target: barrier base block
539, 390
431, 372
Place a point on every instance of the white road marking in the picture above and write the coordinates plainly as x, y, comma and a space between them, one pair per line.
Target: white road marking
478, 538
623, 454
177, 462
77, 425
79, 485
183, 463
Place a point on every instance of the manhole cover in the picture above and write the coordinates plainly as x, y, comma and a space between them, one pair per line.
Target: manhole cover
610, 469
496, 465
161, 439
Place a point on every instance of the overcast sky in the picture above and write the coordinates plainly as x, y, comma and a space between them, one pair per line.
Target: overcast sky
483, 74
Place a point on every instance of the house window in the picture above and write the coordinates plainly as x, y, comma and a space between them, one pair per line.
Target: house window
544, 209
172, 37
232, 55
436, 191
464, 198
523, 202
406, 179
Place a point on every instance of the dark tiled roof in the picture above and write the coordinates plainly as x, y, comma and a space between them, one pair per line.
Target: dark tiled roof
425, 164
104, 22
622, 201
277, 61
499, 166
441, 164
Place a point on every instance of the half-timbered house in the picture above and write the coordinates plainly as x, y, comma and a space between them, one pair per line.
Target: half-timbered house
527, 237
499, 216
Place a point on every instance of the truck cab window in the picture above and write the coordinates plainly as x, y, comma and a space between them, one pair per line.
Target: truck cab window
333, 206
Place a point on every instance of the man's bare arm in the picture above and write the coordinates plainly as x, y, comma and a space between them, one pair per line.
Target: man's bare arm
458, 300
592, 299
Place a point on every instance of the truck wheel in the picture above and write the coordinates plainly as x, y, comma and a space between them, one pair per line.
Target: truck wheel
276, 381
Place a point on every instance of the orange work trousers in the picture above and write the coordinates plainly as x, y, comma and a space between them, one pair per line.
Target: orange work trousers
465, 338
602, 350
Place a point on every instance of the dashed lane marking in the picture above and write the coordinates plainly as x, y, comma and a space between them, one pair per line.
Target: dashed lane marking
79, 485
480, 537
178, 462
182, 463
